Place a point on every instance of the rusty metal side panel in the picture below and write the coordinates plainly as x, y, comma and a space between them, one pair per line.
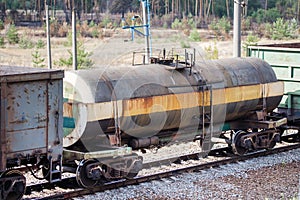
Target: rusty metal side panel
3, 128
20, 141
20, 74
26, 113
55, 118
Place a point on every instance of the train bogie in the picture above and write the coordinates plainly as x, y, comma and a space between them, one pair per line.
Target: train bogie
31, 125
101, 164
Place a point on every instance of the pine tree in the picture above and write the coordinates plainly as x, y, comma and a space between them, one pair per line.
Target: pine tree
37, 60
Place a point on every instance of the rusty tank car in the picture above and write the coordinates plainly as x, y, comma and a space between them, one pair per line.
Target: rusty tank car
173, 100
91, 123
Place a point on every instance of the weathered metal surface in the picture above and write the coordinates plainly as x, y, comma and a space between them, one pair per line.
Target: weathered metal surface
31, 113
55, 117
97, 153
245, 124
19, 74
171, 102
145, 100
285, 61
3, 146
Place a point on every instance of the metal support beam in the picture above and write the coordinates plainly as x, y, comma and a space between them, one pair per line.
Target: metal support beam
48, 38
146, 34
74, 41
146, 31
237, 29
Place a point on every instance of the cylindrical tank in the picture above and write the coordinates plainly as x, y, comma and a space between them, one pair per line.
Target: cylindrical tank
148, 100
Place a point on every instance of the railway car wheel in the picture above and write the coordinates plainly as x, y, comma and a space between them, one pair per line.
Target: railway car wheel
236, 143
82, 177
13, 188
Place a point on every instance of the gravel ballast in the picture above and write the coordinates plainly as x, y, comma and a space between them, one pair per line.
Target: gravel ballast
270, 177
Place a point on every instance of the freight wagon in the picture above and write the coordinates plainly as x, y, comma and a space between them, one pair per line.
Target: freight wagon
285, 61
31, 126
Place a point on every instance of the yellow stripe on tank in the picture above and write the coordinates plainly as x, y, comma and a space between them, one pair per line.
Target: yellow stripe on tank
147, 105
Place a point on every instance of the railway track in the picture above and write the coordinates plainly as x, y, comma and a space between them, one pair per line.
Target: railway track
70, 183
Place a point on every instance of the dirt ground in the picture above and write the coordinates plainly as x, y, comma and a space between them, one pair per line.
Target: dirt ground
114, 49
119, 48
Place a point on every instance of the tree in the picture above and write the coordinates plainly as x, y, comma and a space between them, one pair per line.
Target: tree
37, 60
12, 34
121, 6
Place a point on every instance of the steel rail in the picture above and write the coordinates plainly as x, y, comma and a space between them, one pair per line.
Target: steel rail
137, 180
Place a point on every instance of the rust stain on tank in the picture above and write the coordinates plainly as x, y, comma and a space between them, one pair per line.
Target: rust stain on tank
138, 105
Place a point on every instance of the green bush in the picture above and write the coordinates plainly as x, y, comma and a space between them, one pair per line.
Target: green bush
220, 27
108, 23
68, 43
25, 43
251, 40
95, 33
83, 60
12, 35
184, 44
262, 15
195, 36
92, 24
214, 26
176, 24
191, 22
40, 44
2, 42
184, 24
212, 53
281, 29
224, 25
1, 25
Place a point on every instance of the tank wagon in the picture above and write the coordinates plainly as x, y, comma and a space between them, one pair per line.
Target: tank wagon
172, 100
31, 126
285, 61
104, 114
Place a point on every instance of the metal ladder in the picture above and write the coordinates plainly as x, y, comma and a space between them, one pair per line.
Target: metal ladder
207, 126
